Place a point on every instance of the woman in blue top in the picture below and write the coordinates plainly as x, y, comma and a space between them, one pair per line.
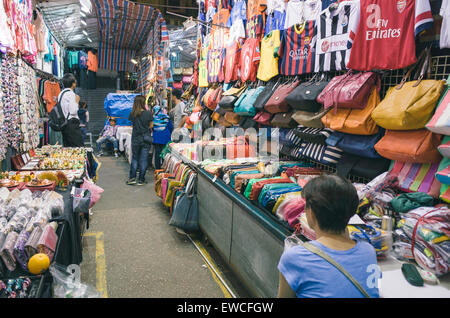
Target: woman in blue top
330, 203
162, 130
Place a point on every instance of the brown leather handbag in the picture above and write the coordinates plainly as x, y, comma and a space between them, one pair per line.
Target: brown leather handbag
417, 146
232, 117
283, 120
277, 102
308, 119
354, 121
240, 178
215, 116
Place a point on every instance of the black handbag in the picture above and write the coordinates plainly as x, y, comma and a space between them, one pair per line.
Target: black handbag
265, 95
303, 97
368, 168
283, 120
247, 122
148, 139
227, 102
206, 118
177, 77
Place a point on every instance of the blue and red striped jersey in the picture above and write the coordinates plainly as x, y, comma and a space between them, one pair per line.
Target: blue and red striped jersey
295, 51
215, 65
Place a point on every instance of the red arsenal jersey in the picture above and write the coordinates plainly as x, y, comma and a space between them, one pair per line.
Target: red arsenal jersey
232, 62
385, 36
249, 59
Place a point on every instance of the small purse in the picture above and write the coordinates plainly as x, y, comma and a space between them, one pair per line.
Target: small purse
308, 119
263, 118
277, 102
232, 118
230, 97
283, 120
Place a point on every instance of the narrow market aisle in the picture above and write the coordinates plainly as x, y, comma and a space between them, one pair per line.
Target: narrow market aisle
143, 256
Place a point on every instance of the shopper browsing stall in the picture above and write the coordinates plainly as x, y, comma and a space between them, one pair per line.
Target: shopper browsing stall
83, 114
179, 112
330, 203
69, 103
108, 135
141, 140
162, 129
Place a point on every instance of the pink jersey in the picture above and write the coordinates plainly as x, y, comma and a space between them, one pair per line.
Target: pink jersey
385, 35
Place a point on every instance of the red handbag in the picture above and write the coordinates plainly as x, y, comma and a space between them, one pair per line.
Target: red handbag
351, 90
263, 118
277, 102
214, 98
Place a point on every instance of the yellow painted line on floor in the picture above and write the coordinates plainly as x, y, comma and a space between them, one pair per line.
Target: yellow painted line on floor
100, 262
225, 291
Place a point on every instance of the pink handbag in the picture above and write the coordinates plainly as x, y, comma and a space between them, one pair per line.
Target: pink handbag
351, 90
291, 209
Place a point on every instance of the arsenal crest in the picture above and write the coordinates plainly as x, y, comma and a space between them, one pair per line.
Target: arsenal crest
401, 5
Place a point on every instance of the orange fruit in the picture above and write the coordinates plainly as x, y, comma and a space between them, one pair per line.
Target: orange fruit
38, 263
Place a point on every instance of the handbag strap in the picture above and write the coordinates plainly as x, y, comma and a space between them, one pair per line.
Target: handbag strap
330, 260
422, 56
425, 67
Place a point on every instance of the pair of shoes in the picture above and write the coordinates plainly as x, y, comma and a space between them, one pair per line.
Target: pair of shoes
116, 154
140, 182
131, 181
100, 154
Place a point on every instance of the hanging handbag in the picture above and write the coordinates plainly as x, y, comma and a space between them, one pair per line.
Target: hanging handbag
230, 97
215, 116
185, 213
354, 165
245, 107
358, 145
213, 98
304, 96
177, 77
177, 85
177, 71
417, 146
410, 105
323, 154
351, 90
232, 118
263, 118
354, 121
247, 122
308, 119
265, 95
440, 122
283, 120
187, 79
444, 148
277, 102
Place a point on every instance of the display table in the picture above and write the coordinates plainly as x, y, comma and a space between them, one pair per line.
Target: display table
251, 241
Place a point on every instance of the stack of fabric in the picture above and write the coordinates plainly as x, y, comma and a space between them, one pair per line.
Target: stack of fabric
423, 235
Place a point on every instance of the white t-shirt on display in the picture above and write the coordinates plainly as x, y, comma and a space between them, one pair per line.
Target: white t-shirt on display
298, 11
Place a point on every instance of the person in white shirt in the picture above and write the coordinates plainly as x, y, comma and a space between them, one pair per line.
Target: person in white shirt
72, 136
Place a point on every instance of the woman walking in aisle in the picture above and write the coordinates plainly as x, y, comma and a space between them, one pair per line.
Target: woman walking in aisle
162, 130
141, 140
83, 114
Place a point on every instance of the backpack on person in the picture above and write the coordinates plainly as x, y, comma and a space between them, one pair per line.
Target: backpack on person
56, 119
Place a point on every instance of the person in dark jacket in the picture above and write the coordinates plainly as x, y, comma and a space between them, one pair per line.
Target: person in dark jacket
141, 142
83, 114
162, 130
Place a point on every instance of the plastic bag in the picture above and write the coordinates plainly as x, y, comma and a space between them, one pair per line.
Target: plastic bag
68, 285
292, 241
4, 194
55, 204
95, 190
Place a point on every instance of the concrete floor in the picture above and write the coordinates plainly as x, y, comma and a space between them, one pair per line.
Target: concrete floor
143, 256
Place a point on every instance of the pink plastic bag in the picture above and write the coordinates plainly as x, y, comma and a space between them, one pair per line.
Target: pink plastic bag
95, 190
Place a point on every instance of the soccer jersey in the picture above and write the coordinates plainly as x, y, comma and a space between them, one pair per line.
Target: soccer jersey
255, 18
332, 36
268, 66
249, 59
215, 65
385, 37
444, 41
275, 21
298, 11
295, 51
237, 21
219, 32
232, 59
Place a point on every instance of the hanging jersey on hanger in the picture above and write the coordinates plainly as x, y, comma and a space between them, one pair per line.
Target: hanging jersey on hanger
232, 58
332, 36
295, 51
385, 37
444, 41
215, 65
298, 11
249, 59
268, 66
